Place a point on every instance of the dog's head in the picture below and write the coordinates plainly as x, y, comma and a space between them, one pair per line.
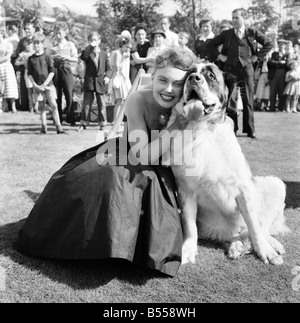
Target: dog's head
205, 94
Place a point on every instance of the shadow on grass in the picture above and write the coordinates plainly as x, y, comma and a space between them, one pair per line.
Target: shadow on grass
292, 195
18, 125
78, 274
23, 131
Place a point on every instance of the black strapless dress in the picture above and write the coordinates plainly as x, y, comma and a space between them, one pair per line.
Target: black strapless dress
91, 210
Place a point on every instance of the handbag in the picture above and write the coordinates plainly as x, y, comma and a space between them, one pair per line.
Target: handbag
116, 82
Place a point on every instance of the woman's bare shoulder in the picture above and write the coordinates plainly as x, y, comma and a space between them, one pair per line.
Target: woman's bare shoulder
138, 100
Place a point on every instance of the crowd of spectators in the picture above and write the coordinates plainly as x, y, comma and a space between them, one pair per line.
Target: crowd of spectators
76, 78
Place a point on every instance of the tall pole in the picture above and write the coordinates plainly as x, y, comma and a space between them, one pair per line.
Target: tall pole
194, 18
280, 17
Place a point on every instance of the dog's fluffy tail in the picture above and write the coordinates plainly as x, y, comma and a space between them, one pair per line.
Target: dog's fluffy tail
273, 193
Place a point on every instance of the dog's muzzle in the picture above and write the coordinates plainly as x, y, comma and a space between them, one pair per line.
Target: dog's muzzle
198, 96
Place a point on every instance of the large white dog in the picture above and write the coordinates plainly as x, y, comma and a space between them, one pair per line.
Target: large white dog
220, 198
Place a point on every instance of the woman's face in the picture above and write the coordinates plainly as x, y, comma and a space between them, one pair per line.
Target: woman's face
206, 28
158, 39
141, 36
167, 86
126, 48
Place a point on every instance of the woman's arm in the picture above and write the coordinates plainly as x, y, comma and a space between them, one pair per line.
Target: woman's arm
8, 54
151, 54
141, 60
149, 152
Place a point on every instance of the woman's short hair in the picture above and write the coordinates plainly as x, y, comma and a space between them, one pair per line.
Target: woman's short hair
178, 58
124, 41
184, 34
205, 21
140, 26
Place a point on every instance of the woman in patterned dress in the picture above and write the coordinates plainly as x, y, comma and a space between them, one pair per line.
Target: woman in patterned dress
8, 80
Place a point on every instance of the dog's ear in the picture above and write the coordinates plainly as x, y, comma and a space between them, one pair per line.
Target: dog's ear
233, 93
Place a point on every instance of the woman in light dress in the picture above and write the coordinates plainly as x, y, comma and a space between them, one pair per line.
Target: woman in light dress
8, 81
120, 82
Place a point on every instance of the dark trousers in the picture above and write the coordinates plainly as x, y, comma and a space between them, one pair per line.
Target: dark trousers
277, 86
23, 93
87, 104
64, 83
245, 80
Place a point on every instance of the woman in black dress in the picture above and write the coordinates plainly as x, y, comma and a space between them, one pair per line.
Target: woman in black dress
115, 200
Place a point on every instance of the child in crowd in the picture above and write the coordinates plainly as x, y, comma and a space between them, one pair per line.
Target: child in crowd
22, 59
96, 79
41, 72
65, 58
292, 89
263, 86
183, 40
120, 81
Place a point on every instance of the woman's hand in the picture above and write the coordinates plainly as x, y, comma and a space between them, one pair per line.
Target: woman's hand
222, 58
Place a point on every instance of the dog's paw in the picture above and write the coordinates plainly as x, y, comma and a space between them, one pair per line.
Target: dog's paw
239, 248
276, 245
268, 254
189, 251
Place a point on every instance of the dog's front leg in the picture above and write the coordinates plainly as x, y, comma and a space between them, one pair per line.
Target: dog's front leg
190, 233
247, 204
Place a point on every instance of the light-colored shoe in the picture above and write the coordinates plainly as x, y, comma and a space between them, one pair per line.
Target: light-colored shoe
103, 123
81, 128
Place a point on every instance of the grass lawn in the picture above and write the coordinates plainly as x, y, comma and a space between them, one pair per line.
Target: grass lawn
27, 160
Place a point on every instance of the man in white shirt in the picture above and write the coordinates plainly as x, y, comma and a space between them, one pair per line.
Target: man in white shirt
171, 37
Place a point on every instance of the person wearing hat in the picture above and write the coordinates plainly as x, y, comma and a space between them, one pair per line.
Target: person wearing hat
139, 52
158, 38
239, 54
277, 66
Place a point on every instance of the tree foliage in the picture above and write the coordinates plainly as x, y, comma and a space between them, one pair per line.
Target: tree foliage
189, 14
264, 15
118, 15
291, 28
22, 13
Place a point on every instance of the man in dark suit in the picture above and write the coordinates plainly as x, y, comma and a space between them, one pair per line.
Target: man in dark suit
96, 79
238, 55
278, 66
30, 30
